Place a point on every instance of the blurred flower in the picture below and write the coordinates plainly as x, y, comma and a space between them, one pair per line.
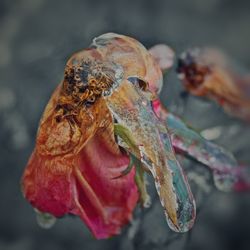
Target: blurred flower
209, 73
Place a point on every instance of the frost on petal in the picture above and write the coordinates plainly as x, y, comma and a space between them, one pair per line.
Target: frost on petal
134, 58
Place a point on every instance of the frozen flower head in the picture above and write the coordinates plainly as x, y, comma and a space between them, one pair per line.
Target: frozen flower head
98, 124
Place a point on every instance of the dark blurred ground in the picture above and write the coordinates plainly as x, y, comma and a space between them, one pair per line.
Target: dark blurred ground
36, 38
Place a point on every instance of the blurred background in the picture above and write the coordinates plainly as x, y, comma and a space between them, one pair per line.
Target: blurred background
37, 37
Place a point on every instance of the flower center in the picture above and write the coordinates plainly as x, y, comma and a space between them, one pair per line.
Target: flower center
89, 80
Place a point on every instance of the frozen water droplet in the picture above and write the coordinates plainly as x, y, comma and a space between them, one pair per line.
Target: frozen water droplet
147, 203
212, 133
45, 220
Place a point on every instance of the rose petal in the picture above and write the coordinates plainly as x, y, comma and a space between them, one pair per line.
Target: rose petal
115, 199
84, 186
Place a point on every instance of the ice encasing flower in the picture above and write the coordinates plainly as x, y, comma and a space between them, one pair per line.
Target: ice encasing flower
77, 158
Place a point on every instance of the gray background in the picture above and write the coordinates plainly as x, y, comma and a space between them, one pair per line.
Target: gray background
37, 37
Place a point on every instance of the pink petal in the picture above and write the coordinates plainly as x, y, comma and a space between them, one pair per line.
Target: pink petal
84, 186
113, 200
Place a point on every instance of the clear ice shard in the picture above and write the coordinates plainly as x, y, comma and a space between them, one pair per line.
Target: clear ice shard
131, 109
220, 161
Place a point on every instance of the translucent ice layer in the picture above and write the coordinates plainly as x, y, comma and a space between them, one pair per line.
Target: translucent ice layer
133, 110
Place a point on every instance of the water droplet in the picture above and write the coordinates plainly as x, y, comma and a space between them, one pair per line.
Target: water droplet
45, 220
